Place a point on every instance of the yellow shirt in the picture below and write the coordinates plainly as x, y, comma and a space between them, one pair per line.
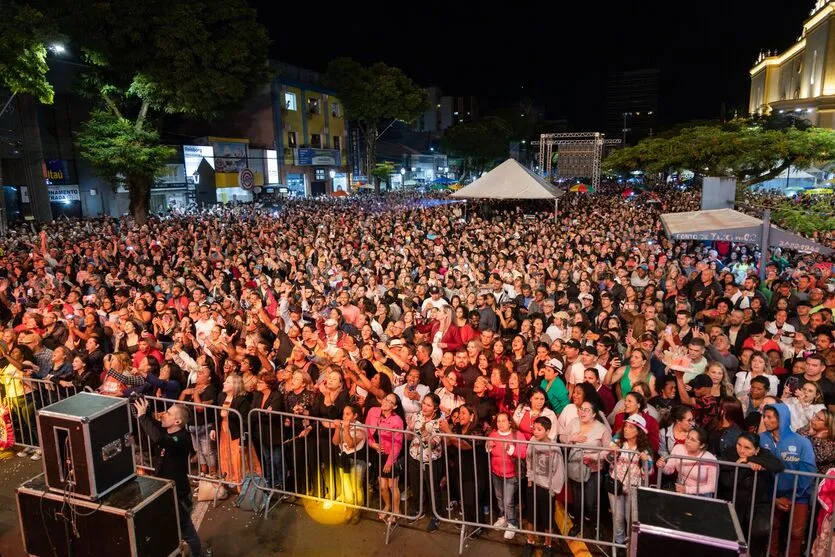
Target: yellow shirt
12, 381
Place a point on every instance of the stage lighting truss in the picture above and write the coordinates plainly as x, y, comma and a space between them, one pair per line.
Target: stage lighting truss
580, 154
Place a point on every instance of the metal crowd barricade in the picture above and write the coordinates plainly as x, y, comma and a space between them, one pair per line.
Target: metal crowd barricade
303, 461
763, 523
473, 485
36, 394
220, 460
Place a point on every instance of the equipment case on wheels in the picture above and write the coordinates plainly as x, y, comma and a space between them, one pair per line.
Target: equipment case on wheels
139, 519
86, 442
668, 523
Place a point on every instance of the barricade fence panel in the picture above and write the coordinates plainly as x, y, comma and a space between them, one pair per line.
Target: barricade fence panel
359, 466
553, 491
24, 397
223, 453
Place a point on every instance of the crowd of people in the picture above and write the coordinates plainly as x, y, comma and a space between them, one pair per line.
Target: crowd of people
559, 360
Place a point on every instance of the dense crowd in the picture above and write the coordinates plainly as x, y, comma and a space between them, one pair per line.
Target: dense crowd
432, 318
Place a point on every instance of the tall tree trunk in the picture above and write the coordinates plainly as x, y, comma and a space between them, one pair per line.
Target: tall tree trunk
139, 186
371, 149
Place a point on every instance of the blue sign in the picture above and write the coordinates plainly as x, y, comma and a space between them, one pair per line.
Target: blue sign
57, 171
318, 157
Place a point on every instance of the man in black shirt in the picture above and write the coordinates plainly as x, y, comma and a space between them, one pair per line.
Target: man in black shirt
172, 441
423, 356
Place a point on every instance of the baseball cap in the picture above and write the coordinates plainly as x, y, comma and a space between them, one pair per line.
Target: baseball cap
638, 421
589, 349
573, 343
294, 309
395, 342
434, 290
331, 323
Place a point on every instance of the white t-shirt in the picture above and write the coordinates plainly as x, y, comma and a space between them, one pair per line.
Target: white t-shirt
743, 383
577, 370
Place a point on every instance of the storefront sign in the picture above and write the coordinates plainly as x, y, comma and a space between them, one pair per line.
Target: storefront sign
246, 179
57, 171
193, 155
272, 166
230, 157
318, 157
64, 194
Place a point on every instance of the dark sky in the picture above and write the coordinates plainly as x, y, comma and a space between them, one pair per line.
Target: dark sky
560, 51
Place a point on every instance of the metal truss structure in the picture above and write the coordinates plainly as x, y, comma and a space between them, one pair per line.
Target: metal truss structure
579, 154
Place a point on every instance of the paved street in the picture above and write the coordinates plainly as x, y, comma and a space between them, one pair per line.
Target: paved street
288, 530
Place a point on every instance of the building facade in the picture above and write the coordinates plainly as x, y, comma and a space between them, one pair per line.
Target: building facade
801, 79
445, 111
311, 133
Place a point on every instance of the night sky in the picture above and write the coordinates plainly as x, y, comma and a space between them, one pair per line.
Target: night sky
560, 53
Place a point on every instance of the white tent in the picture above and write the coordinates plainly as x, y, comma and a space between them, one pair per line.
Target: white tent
509, 180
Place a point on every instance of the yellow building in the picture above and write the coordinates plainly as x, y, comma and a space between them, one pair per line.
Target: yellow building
801, 79
311, 133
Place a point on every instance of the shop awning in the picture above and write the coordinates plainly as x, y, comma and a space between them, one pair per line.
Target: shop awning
728, 225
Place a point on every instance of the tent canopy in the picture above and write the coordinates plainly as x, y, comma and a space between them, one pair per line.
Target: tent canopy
728, 225
509, 180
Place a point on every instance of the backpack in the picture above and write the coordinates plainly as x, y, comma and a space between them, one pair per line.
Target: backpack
253, 496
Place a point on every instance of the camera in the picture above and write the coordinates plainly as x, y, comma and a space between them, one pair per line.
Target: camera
134, 396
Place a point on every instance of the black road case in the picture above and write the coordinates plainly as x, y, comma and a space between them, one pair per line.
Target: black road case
667, 523
139, 519
86, 441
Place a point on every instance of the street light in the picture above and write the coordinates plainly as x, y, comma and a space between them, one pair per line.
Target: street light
402, 171
332, 174
57, 48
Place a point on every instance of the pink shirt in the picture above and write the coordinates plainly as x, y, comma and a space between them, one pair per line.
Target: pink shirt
390, 443
699, 478
501, 463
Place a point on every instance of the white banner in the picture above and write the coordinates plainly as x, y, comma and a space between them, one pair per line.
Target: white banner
64, 194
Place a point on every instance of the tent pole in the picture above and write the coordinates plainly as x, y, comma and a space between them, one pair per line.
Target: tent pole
764, 242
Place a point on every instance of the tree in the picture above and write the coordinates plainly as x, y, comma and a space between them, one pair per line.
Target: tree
373, 95
23, 54
751, 150
808, 220
382, 171
479, 143
144, 59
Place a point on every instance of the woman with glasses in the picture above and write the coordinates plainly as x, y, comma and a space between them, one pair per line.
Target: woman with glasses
821, 432
695, 477
585, 464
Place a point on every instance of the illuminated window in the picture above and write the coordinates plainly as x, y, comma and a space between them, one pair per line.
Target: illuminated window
290, 101
291, 140
313, 106
335, 110
320, 173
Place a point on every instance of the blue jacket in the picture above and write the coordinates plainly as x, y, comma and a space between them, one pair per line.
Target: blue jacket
796, 452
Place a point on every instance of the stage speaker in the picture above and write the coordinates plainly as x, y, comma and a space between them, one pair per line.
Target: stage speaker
670, 523
138, 519
86, 443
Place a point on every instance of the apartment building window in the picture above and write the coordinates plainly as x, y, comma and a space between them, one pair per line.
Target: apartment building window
290, 101
335, 110
291, 140
316, 140
313, 106
320, 173
336, 144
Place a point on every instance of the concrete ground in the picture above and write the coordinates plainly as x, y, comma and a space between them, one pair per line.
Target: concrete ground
288, 530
